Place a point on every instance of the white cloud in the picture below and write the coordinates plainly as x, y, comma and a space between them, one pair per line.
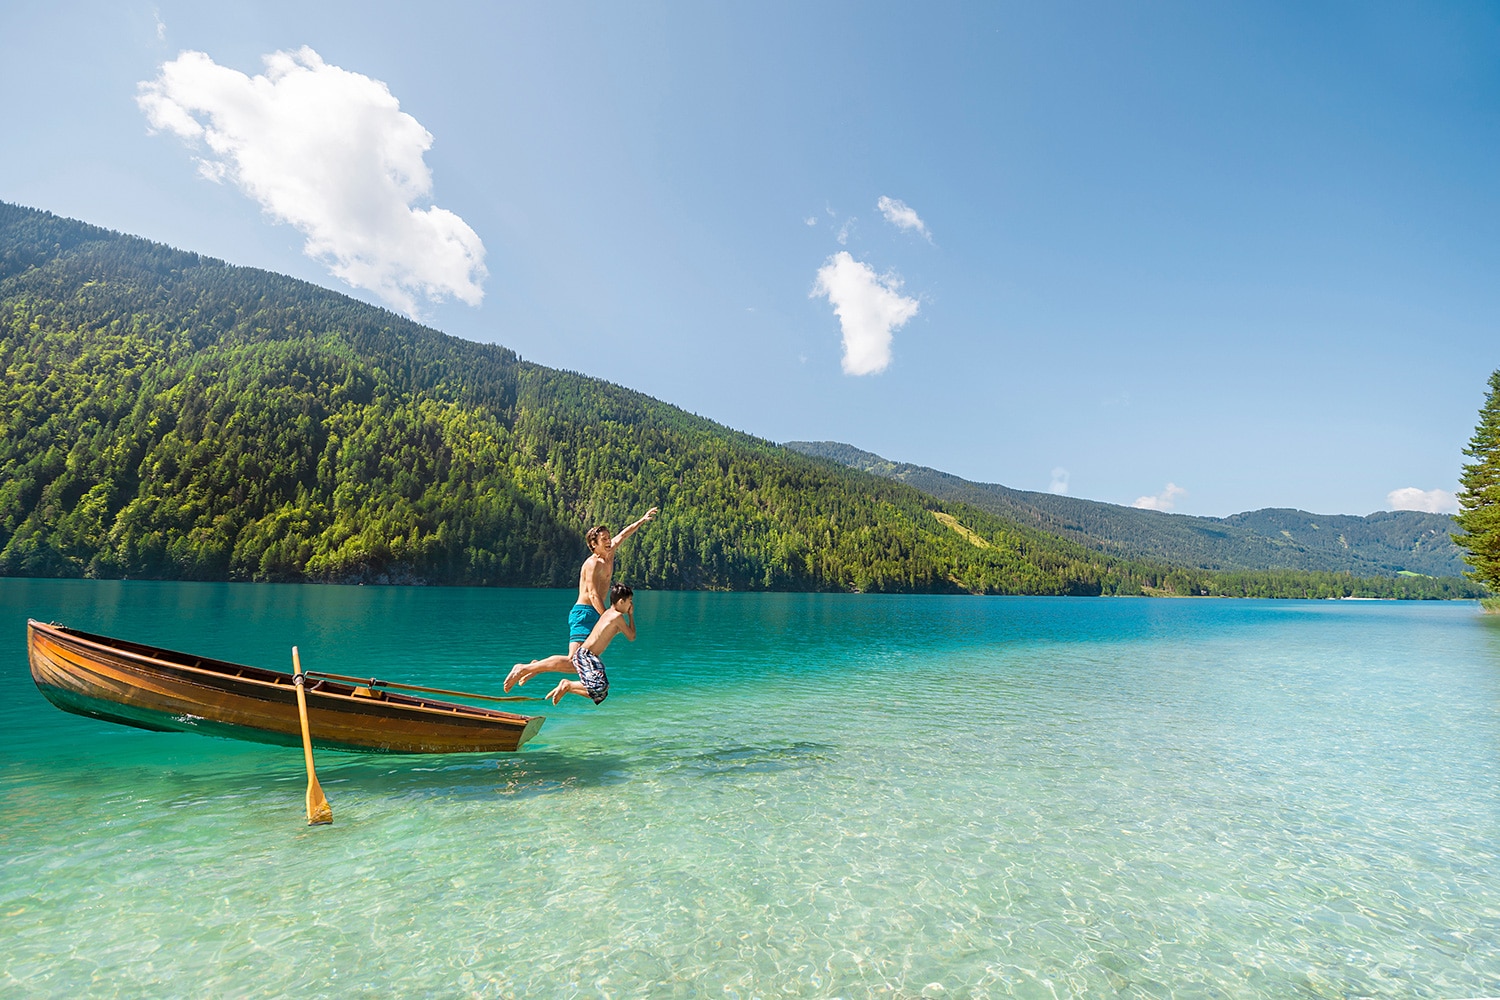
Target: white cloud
901, 215
1165, 500
843, 234
331, 153
1059, 481
869, 307
1432, 501
811, 220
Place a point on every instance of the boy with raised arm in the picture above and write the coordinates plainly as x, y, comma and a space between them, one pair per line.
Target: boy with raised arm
594, 579
584, 660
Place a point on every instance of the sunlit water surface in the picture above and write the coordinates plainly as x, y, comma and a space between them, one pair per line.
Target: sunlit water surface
784, 796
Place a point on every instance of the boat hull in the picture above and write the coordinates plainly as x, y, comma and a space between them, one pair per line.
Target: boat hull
164, 690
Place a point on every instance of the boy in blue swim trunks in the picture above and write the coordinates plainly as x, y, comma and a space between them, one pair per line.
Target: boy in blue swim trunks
594, 579
584, 659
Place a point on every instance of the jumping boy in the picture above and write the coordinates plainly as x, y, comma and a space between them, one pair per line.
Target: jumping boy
584, 660
594, 580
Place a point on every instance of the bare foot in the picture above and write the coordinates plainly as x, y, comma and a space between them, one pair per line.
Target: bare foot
556, 694
516, 677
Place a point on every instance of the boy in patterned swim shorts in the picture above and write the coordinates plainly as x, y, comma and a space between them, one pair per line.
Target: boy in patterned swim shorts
584, 661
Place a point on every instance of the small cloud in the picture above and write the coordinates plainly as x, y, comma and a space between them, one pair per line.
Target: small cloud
901, 215
869, 308
331, 153
1165, 500
1059, 483
1431, 501
843, 234
161, 26
811, 220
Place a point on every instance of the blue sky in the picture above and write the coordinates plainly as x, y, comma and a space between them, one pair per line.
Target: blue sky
1211, 257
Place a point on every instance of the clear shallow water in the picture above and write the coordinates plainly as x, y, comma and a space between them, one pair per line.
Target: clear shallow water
784, 796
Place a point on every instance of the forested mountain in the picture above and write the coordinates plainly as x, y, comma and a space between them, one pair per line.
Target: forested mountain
1380, 544
168, 415
165, 415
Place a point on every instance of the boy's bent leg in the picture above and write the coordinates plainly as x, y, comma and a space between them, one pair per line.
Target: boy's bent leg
566, 687
523, 672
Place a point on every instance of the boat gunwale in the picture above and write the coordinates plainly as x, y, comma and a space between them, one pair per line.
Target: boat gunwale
278, 681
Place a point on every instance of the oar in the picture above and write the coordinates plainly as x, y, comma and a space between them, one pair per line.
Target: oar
318, 810
375, 682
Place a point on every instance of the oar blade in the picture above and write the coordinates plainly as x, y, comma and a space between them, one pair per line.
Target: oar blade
319, 811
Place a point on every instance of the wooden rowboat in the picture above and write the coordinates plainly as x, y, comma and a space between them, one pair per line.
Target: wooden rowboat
151, 688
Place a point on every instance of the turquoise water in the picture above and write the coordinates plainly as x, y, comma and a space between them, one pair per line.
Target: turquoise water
784, 796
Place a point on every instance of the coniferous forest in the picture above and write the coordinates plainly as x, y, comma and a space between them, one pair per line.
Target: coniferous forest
165, 415
1480, 497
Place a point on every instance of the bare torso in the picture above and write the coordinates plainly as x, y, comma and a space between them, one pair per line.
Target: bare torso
593, 581
610, 625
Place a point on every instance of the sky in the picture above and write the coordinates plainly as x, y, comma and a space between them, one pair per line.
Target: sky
1203, 258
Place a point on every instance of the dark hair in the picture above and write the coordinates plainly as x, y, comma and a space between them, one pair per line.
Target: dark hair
594, 535
618, 592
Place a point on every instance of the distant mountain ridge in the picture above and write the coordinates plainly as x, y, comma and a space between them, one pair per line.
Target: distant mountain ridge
1385, 543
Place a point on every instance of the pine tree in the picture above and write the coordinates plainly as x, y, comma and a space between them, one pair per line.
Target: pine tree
1480, 496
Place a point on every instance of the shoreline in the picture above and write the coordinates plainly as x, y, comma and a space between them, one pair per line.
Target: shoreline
1491, 605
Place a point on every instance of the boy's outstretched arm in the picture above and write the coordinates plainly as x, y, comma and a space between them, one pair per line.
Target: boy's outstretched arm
632, 528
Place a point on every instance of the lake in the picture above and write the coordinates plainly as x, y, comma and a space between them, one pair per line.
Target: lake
785, 795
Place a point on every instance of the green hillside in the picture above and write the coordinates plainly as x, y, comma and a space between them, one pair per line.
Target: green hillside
166, 415
1386, 543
